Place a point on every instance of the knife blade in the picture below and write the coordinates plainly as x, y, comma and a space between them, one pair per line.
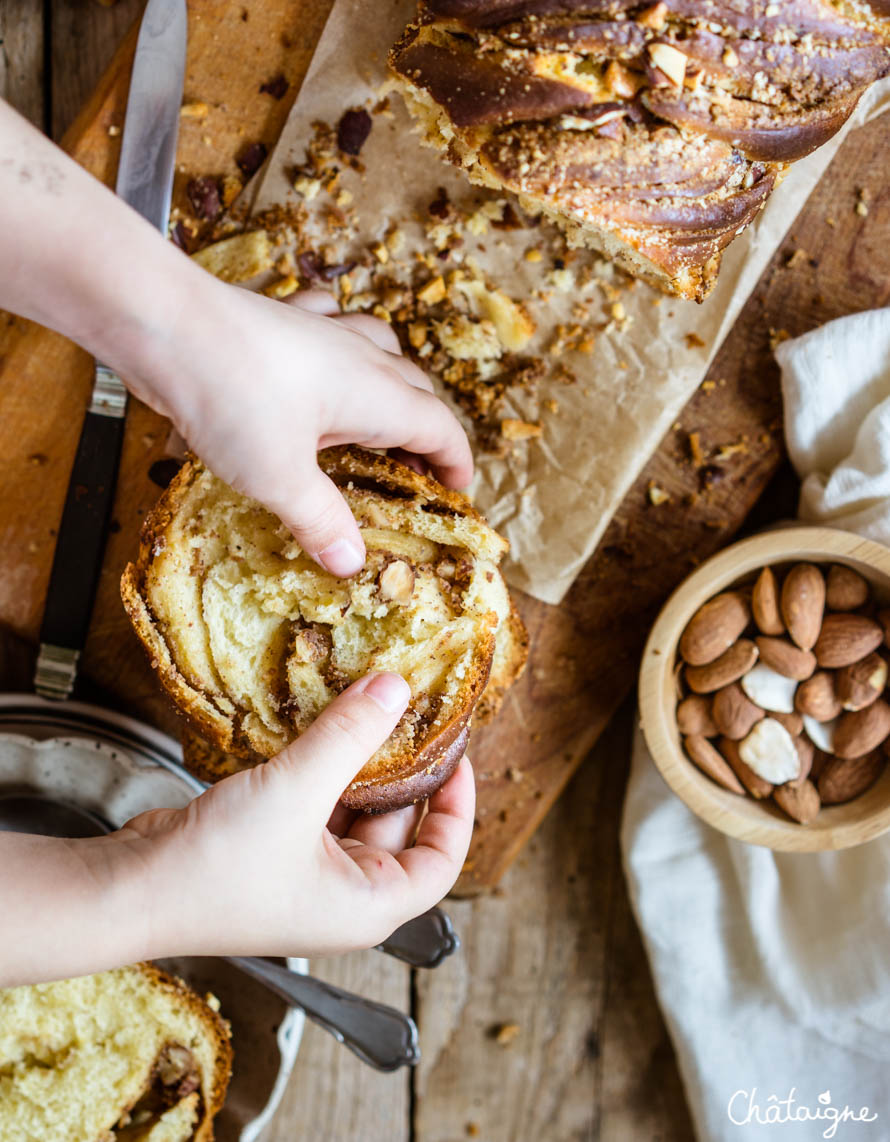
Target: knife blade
145, 182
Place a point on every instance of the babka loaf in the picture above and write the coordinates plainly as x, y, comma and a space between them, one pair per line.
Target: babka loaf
252, 639
127, 1054
652, 133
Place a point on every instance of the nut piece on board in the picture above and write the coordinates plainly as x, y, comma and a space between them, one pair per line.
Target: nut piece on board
803, 601
884, 620
817, 697
694, 717
846, 589
859, 685
844, 639
769, 690
710, 762
765, 604
729, 667
841, 780
753, 782
801, 802
714, 628
862, 731
786, 658
770, 751
733, 712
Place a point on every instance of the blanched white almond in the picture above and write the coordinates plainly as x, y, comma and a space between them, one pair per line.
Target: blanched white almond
821, 734
770, 751
769, 690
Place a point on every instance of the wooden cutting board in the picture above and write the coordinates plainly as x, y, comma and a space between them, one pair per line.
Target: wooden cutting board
585, 652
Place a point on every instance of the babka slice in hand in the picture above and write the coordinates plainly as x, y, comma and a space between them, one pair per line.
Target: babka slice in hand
252, 639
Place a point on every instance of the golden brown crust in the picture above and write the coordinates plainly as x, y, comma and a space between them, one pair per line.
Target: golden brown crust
217, 1030
218, 746
567, 105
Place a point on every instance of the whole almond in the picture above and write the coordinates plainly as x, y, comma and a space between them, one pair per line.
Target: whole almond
786, 658
857, 686
845, 639
729, 667
842, 780
756, 785
806, 751
861, 731
820, 760
818, 698
710, 762
884, 620
733, 712
803, 601
714, 628
801, 802
765, 604
694, 717
846, 589
793, 723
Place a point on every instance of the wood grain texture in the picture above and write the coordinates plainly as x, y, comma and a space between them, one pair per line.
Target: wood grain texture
83, 39
758, 822
332, 1095
22, 80
555, 953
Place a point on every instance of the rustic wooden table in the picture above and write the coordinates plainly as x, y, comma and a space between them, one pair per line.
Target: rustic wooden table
546, 1026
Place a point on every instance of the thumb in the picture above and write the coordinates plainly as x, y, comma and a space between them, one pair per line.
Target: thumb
323, 525
325, 758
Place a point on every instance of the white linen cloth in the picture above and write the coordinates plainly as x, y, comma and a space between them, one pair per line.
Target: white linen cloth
773, 969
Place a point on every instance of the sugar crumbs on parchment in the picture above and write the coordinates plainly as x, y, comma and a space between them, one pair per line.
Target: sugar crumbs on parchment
450, 317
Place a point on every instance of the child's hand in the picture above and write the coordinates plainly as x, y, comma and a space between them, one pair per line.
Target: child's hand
254, 386
256, 865
258, 387
250, 867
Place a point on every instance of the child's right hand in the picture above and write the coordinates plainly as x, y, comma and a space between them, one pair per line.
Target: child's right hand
251, 866
263, 863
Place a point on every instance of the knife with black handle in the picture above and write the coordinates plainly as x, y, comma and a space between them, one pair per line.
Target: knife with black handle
145, 182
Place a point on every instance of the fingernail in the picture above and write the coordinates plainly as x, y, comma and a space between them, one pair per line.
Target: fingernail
342, 558
390, 691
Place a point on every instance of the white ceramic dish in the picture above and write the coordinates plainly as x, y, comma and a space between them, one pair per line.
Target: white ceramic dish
118, 767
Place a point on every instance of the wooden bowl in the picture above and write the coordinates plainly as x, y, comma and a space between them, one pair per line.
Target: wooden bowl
757, 822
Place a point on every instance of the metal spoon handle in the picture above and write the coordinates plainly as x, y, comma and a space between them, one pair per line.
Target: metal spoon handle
378, 1034
424, 941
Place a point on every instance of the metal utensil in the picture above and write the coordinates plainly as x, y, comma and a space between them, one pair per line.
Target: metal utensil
145, 182
380, 1035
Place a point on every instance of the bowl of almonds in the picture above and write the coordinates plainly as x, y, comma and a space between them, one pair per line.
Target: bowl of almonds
763, 690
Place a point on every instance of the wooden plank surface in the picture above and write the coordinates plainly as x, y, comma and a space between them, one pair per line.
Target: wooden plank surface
332, 1095
22, 79
555, 954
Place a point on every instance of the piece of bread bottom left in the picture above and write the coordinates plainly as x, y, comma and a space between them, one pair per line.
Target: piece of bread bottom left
131, 1053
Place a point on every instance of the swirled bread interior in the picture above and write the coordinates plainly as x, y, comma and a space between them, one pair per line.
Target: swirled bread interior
130, 1055
253, 639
